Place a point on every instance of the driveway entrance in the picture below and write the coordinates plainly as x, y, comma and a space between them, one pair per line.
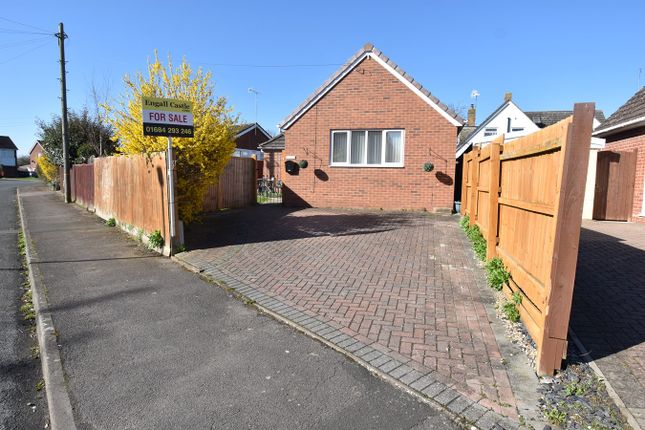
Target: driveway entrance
608, 313
402, 284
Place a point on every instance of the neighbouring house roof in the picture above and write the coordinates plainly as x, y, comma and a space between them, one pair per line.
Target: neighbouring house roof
549, 117
465, 133
369, 50
274, 143
463, 144
629, 115
35, 145
242, 129
7, 143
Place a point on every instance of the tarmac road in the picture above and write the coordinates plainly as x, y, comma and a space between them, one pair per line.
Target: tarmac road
19, 372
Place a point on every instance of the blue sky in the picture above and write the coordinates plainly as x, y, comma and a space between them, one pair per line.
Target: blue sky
549, 54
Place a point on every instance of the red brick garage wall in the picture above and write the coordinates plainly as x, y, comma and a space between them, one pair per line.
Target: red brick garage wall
370, 97
630, 141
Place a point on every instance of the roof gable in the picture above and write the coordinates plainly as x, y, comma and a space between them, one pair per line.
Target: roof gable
370, 51
632, 113
243, 129
34, 147
468, 141
275, 143
7, 143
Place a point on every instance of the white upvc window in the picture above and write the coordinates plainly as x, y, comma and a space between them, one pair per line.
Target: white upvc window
490, 131
367, 148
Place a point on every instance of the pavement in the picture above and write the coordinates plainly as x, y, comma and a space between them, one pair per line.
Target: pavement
399, 292
19, 372
608, 314
145, 343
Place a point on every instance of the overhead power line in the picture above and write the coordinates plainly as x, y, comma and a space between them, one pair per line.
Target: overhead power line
14, 31
23, 24
24, 53
285, 66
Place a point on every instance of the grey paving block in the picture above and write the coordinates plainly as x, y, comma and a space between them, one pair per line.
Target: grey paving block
380, 360
371, 355
389, 366
400, 371
508, 424
474, 412
423, 382
355, 346
411, 377
434, 390
488, 420
459, 404
446, 396
364, 351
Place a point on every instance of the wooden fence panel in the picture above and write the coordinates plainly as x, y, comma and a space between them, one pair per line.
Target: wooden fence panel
236, 187
133, 190
532, 190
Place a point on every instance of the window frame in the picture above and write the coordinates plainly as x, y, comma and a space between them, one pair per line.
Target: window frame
490, 131
382, 164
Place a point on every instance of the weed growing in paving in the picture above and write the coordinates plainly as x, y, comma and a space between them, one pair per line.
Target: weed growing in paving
40, 385
511, 308
155, 240
556, 417
497, 274
474, 234
111, 222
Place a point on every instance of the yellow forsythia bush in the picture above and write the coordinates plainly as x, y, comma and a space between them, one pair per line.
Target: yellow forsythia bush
46, 169
200, 159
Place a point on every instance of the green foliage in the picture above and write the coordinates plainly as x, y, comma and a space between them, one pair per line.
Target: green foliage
181, 248
428, 167
479, 243
86, 135
511, 308
556, 417
155, 240
497, 274
200, 159
575, 388
40, 385
111, 222
464, 222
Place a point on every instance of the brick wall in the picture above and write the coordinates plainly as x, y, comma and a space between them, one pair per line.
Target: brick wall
630, 141
369, 97
272, 164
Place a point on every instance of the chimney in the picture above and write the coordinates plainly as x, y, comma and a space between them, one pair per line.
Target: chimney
471, 116
508, 97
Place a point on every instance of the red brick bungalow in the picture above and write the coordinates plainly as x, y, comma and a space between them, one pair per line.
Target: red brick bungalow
366, 135
624, 130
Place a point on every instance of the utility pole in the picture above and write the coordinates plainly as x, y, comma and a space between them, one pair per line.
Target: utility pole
63, 100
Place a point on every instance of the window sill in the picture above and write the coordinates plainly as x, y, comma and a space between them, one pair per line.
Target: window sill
369, 166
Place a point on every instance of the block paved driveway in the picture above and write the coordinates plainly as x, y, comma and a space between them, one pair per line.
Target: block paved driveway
402, 283
608, 312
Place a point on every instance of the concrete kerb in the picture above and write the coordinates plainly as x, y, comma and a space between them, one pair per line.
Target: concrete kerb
610, 390
374, 361
58, 402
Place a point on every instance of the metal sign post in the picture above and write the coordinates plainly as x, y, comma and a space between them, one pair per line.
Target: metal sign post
171, 192
168, 117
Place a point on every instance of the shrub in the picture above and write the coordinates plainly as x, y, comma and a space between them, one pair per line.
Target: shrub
46, 169
155, 240
497, 274
111, 222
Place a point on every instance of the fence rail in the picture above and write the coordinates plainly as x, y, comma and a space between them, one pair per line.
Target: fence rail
526, 197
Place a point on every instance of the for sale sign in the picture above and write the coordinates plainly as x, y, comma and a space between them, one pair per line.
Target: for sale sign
167, 117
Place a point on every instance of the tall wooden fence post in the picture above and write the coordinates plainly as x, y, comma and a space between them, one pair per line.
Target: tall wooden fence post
574, 159
493, 196
474, 184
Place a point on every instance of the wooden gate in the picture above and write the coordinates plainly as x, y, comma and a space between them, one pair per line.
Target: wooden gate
615, 176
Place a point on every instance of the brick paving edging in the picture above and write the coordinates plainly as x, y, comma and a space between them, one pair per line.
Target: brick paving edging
425, 386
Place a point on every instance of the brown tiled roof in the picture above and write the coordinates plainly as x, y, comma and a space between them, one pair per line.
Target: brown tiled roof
349, 64
549, 117
7, 143
633, 109
274, 143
